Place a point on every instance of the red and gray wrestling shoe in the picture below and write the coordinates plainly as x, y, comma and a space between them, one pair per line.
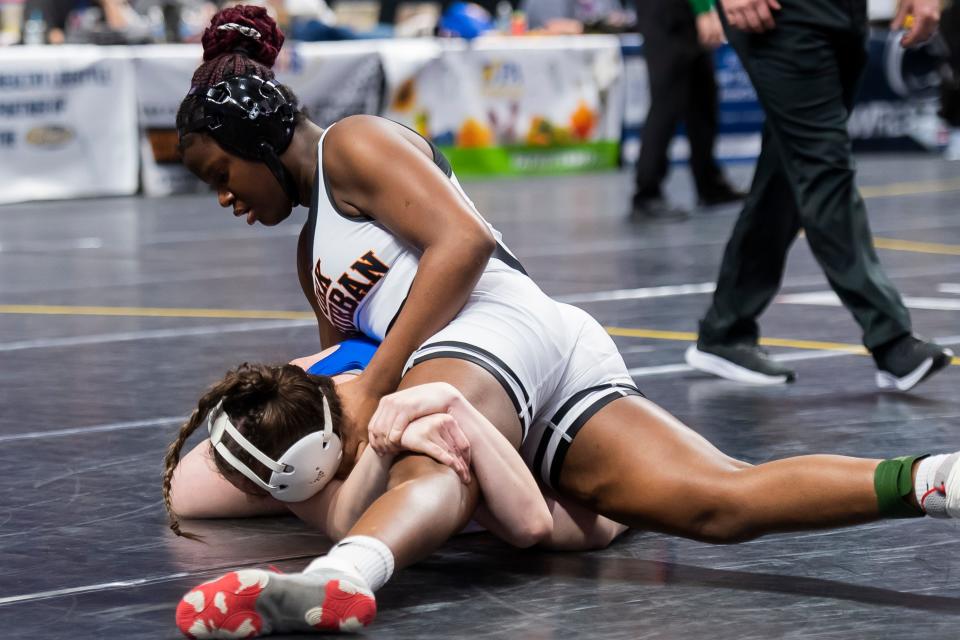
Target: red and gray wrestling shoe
252, 602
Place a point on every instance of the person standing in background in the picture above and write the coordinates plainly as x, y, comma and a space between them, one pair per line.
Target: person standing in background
950, 82
679, 37
805, 59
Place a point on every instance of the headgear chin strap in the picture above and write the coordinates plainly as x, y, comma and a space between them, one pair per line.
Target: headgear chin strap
301, 472
252, 118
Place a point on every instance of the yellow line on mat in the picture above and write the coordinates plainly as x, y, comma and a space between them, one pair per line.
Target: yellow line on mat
253, 314
917, 247
910, 188
653, 334
153, 312
689, 336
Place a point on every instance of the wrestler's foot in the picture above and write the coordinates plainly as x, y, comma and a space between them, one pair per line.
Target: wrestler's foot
942, 499
252, 602
907, 361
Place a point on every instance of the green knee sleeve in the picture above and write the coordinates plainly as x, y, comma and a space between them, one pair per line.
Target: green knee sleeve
893, 482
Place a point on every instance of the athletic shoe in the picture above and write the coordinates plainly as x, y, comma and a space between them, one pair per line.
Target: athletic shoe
252, 602
943, 499
741, 363
906, 362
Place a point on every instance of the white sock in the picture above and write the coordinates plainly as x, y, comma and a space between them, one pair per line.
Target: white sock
362, 556
926, 472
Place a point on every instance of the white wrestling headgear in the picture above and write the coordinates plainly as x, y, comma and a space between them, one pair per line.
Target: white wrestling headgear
302, 471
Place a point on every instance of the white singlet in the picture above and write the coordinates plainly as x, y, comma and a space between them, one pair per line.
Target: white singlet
556, 363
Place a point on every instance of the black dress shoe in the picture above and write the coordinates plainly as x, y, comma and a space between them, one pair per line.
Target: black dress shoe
656, 209
725, 195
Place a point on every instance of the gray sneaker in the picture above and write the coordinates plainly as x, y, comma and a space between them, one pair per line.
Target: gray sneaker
741, 363
907, 361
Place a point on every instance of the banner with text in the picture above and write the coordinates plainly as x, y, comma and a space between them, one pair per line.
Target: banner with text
67, 123
513, 106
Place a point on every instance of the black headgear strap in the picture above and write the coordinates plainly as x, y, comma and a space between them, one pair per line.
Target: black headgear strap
252, 118
284, 177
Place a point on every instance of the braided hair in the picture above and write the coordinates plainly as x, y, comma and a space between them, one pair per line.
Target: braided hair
241, 40
272, 406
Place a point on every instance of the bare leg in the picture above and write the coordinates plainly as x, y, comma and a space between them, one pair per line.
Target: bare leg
426, 503
636, 464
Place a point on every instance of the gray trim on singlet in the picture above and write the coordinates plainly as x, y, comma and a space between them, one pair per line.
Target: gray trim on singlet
606, 393
494, 365
311, 226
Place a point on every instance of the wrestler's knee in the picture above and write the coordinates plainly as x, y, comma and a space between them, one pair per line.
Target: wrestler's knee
722, 511
712, 507
409, 467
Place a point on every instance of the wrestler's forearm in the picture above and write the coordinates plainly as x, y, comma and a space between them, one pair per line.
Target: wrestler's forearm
509, 489
366, 482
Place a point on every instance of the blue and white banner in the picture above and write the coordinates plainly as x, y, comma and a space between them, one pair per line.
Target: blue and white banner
740, 117
68, 123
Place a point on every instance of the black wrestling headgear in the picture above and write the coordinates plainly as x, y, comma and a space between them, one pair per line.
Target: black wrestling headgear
252, 118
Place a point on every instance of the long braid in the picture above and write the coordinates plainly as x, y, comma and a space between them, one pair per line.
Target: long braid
172, 459
170, 464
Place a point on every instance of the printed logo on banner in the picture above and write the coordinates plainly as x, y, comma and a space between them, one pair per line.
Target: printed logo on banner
502, 78
50, 136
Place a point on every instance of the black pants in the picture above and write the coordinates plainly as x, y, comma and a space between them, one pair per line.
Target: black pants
950, 86
682, 88
806, 72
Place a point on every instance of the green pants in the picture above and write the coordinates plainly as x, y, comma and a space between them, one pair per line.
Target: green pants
806, 72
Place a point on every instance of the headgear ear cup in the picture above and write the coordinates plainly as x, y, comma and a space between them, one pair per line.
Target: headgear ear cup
309, 463
301, 472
